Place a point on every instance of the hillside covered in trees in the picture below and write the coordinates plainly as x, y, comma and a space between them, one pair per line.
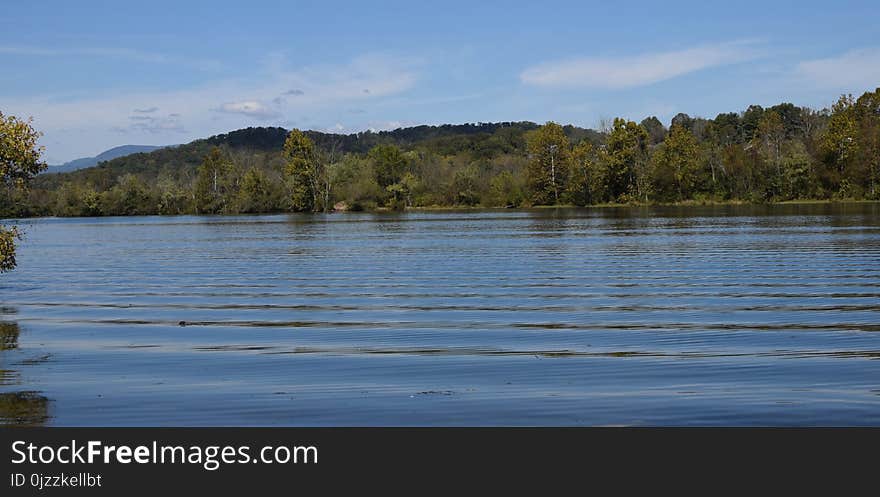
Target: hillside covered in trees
779, 153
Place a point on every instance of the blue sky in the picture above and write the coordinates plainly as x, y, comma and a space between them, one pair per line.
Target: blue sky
99, 74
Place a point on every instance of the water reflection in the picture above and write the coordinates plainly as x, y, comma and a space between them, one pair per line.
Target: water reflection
9, 335
23, 408
729, 315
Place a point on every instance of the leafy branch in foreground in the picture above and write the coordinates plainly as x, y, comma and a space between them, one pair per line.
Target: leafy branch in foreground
19, 163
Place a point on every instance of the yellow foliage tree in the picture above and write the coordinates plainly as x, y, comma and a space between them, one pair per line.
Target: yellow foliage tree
20, 160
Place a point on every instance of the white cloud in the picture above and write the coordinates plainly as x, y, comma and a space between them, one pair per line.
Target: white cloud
637, 70
250, 108
856, 71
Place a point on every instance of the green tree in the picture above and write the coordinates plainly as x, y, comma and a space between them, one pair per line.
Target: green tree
173, 198
723, 132
465, 186
8, 235
356, 183
20, 156
585, 174
302, 170
867, 110
20, 161
410, 184
256, 193
797, 173
683, 120
790, 117
656, 130
768, 140
129, 197
329, 170
389, 167
749, 121
725, 129
741, 174
215, 185
839, 144
389, 164
506, 190
74, 199
310, 171
626, 156
675, 165
548, 169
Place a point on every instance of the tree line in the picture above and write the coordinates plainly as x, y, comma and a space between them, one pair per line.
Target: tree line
773, 154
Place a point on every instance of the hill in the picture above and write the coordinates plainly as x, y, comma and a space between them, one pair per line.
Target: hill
113, 153
262, 146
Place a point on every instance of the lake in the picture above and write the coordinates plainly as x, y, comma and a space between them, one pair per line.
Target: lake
727, 315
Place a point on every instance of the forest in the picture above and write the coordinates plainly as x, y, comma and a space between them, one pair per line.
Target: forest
759, 155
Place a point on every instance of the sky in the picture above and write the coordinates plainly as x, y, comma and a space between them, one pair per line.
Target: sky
94, 75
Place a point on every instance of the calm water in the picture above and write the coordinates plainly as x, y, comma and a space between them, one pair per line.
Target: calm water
662, 316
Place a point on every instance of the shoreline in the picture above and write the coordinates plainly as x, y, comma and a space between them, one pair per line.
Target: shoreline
442, 208
686, 203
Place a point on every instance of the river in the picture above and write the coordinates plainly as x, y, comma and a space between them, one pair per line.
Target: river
727, 315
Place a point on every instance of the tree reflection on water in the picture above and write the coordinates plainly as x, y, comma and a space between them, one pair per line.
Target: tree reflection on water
8, 335
23, 408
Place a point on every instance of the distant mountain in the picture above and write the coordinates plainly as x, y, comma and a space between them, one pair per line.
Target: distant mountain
113, 153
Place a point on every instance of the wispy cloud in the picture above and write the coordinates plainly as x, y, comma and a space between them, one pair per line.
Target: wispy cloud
152, 124
637, 70
148, 110
280, 100
365, 77
855, 70
109, 53
250, 108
